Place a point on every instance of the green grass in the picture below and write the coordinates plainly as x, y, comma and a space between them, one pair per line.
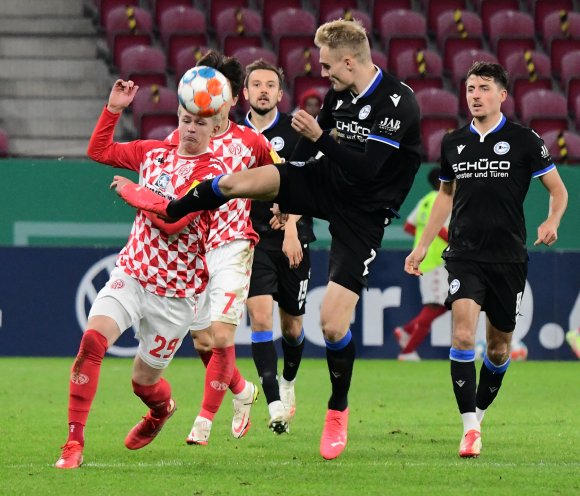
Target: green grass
403, 436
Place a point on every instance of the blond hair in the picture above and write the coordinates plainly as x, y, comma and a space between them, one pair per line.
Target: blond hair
344, 35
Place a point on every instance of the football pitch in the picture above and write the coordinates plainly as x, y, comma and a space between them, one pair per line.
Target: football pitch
403, 435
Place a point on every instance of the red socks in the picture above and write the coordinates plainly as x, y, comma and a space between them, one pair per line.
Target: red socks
420, 326
218, 376
156, 396
237, 383
84, 380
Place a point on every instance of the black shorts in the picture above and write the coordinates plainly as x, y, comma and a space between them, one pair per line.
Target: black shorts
497, 288
356, 234
271, 275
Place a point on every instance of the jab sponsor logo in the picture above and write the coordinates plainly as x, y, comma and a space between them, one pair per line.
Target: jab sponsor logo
390, 125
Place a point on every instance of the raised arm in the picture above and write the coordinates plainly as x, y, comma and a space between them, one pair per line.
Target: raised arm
439, 214
548, 230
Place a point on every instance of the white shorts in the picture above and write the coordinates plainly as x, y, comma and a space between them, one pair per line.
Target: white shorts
161, 322
230, 268
434, 286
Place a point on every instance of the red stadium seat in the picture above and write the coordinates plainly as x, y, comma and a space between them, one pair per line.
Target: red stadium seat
423, 63
4, 144
577, 111
292, 22
460, 24
453, 46
544, 110
437, 102
188, 58
349, 15
380, 7
433, 144
433, 124
218, 6
402, 30
107, 6
561, 26
301, 62
564, 146
572, 92
508, 107
324, 7
239, 22
270, 8
490, 7
161, 6
543, 8
511, 31
159, 132
419, 83
126, 27
509, 46
154, 107
464, 60
248, 55
288, 43
526, 63
144, 65
303, 83
181, 20
379, 58
437, 7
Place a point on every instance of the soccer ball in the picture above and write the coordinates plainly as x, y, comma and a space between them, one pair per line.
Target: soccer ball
519, 351
480, 348
203, 91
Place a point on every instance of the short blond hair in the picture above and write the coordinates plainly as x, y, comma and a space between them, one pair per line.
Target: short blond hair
344, 35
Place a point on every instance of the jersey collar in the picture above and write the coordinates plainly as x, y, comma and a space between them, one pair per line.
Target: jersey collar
225, 132
494, 129
249, 123
372, 85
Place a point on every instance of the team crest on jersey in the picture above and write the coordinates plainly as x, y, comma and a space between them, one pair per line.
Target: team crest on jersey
185, 170
277, 143
454, 286
162, 181
117, 284
501, 148
364, 112
235, 149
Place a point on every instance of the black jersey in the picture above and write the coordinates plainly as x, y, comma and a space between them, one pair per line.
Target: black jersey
381, 127
284, 140
492, 174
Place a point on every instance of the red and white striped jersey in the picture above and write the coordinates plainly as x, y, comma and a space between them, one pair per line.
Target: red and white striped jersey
170, 265
239, 148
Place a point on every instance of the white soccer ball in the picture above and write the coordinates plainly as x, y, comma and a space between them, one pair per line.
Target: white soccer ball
204, 91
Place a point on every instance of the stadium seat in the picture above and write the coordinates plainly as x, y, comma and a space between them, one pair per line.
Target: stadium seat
4, 144
437, 102
288, 43
457, 24
126, 27
433, 124
508, 46
453, 46
544, 110
216, 7
290, 23
380, 7
155, 106
422, 63
528, 63
349, 15
324, 7
301, 62
379, 58
564, 146
402, 30
248, 55
187, 58
303, 83
239, 22
577, 111
159, 132
435, 8
490, 7
464, 60
561, 25
570, 69
511, 31
233, 43
419, 83
159, 7
433, 144
542, 8
145, 65
269, 8
107, 6
181, 27
508, 107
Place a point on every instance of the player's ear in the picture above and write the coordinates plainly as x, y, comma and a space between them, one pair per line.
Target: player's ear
280, 94
246, 94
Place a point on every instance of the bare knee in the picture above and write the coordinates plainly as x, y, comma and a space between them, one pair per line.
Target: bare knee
498, 352
202, 341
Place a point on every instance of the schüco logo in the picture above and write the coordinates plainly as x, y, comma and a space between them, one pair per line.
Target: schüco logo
87, 291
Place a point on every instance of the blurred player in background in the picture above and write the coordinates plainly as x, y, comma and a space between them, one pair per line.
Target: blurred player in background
146, 288
486, 168
230, 251
281, 268
311, 102
433, 282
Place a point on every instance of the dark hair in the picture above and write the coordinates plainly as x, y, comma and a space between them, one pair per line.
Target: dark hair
489, 70
230, 67
262, 64
433, 177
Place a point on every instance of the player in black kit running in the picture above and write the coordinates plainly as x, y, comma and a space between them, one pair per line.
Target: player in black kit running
486, 168
357, 186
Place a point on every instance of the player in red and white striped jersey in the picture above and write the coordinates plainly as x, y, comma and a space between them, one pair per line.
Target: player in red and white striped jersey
230, 252
158, 273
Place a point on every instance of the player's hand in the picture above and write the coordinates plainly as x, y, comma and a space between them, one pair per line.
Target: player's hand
306, 125
278, 221
547, 234
120, 182
139, 196
292, 248
121, 95
413, 261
